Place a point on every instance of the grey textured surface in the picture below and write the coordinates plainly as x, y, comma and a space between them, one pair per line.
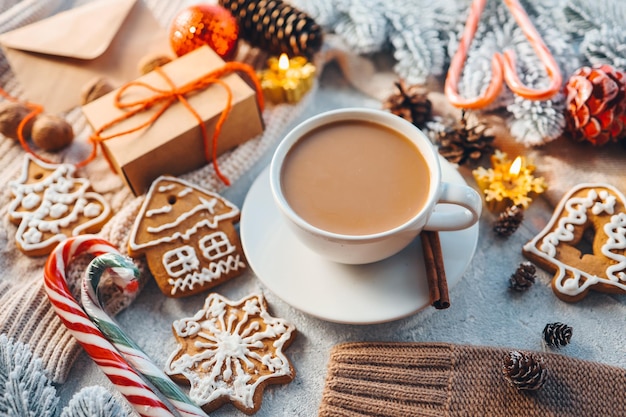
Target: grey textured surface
483, 310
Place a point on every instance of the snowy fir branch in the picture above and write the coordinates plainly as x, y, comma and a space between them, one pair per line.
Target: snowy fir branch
415, 31
599, 27
94, 402
420, 48
26, 391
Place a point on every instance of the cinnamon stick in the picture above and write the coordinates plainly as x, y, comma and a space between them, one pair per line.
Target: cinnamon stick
435, 270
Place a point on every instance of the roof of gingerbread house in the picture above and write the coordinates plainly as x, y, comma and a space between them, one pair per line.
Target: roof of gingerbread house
176, 210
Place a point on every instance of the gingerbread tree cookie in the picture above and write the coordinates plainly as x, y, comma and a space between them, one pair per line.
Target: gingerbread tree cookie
188, 237
50, 205
587, 209
229, 351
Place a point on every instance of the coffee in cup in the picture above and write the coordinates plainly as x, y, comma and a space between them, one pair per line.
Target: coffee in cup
355, 177
358, 185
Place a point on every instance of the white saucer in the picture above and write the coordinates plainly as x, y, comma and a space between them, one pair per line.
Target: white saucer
357, 294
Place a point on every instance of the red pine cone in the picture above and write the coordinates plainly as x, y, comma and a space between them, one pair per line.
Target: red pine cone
596, 104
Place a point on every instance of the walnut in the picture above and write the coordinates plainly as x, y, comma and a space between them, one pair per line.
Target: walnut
52, 133
11, 114
95, 89
150, 62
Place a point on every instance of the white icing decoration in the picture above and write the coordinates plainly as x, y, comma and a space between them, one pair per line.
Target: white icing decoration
165, 188
57, 210
235, 355
186, 327
606, 204
206, 274
92, 210
180, 261
61, 196
574, 211
185, 191
32, 235
216, 245
615, 231
31, 201
208, 205
165, 209
210, 220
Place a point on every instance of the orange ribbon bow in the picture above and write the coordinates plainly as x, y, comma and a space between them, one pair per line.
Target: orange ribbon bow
169, 97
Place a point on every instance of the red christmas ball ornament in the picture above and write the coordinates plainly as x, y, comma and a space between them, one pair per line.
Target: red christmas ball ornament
596, 104
205, 24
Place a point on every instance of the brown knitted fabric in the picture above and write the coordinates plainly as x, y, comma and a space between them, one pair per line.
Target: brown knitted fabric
439, 379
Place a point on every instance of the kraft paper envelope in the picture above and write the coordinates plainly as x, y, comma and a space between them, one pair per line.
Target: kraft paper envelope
54, 59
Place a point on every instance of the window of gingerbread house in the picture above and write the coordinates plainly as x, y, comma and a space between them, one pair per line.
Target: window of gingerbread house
180, 261
216, 245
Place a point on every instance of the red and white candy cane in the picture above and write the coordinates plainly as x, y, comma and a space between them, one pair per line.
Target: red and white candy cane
125, 274
502, 65
122, 375
550, 65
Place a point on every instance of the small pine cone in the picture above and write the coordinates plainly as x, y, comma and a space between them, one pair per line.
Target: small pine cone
523, 278
557, 334
276, 27
411, 103
524, 371
465, 144
508, 221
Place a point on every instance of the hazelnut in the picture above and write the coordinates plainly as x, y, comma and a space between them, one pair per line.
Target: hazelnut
11, 114
150, 62
51, 133
94, 89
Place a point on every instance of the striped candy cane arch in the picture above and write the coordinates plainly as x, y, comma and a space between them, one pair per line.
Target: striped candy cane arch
125, 379
126, 273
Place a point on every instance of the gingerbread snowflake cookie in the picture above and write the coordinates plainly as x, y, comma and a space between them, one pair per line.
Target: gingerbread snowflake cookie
230, 351
593, 212
50, 204
188, 237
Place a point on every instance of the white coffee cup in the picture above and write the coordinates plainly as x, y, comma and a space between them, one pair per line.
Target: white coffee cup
367, 248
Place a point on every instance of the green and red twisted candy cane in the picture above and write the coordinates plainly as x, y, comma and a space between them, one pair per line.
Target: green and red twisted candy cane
125, 379
126, 272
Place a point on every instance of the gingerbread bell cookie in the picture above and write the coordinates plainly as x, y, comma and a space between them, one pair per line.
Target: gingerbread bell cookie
50, 204
588, 212
188, 237
230, 351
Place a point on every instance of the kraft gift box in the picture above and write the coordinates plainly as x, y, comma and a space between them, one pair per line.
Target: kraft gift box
173, 144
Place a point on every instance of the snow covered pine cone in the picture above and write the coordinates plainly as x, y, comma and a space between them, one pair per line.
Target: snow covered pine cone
509, 221
524, 371
523, 278
596, 104
557, 334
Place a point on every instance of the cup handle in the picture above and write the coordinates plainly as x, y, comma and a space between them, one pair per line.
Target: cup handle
461, 195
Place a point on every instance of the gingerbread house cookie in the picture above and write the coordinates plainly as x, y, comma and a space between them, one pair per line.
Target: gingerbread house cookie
230, 351
50, 204
188, 237
593, 212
